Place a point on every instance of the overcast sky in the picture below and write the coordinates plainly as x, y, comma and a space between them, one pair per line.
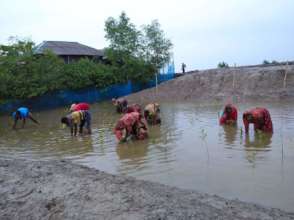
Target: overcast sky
204, 32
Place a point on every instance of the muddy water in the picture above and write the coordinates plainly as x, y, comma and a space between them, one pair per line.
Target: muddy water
189, 150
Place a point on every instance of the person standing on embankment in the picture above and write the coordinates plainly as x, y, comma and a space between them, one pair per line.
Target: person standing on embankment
22, 113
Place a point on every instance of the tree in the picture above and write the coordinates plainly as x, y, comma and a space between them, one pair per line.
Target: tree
266, 62
222, 65
137, 54
122, 34
156, 47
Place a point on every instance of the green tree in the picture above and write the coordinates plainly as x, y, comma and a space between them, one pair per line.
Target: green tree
266, 62
136, 54
222, 65
156, 47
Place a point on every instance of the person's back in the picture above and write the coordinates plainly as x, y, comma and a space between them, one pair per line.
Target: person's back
261, 119
83, 106
23, 112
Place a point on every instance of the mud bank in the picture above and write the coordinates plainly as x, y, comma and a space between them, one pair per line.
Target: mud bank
62, 190
272, 83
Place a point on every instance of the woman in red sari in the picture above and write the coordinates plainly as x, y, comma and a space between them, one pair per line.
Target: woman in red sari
131, 124
261, 119
230, 115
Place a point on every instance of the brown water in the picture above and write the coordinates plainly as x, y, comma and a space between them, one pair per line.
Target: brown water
189, 150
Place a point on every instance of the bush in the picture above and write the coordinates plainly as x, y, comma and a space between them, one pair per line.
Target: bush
222, 65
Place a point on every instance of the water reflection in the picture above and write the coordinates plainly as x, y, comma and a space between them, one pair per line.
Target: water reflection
260, 141
183, 151
258, 144
230, 134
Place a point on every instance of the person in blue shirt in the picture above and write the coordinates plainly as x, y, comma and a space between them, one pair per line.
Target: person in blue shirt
22, 113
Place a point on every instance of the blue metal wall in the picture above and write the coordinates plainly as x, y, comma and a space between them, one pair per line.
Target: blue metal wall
66, 97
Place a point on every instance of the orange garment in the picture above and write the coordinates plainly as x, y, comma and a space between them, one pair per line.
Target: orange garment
232, 116
134, 108
127, 123
260, 118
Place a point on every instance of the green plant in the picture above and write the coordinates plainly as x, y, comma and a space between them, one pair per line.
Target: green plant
222, 65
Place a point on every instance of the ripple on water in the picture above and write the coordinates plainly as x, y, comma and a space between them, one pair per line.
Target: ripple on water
189, 150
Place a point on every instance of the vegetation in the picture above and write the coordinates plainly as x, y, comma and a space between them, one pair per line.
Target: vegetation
265, 62
222, 65
133, 54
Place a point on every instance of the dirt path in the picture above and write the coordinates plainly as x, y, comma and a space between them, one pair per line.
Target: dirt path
62, 190
271, 83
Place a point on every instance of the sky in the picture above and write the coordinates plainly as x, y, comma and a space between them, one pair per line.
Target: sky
203, 32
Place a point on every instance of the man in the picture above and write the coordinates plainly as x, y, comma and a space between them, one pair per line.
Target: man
229, 116
22, 113
121, 104
151, 113
183, 67
261, 119
75, 119
83, 106
131, 125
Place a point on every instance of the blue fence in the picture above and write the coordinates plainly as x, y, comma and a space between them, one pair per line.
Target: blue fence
66, 97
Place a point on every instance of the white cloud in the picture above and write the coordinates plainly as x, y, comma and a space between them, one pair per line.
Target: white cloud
204, 32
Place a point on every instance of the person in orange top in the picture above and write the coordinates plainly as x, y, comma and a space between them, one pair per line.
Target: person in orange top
134, 108
261, 119
229, 116
131, 124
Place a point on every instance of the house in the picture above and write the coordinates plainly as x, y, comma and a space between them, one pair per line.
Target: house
69, 51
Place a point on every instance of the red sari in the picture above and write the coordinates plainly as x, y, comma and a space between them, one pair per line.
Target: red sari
260, 118
232, 116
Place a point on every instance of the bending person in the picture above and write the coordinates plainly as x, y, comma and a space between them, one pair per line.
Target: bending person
121, 104
22, 113
229, 116
151, 113
133, 108
261, 119
76, 106
131, 125
75, 119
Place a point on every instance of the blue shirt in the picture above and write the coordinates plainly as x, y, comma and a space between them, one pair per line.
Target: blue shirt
24, 112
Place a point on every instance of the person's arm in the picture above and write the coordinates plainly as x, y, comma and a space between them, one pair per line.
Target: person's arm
34, 120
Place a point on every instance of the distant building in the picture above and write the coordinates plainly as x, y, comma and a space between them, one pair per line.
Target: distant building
69, 51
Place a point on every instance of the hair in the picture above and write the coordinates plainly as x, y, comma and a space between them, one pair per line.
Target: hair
228, 108
64, 120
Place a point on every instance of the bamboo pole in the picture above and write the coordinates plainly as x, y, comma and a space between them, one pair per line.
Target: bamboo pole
285, 77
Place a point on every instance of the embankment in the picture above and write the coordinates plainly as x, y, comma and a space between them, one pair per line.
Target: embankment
62, 190
266, 83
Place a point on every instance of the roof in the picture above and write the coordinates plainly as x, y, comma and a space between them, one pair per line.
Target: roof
67, 48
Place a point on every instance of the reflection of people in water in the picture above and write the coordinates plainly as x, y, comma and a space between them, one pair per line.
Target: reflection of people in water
230, 132
261, 141
133, 152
